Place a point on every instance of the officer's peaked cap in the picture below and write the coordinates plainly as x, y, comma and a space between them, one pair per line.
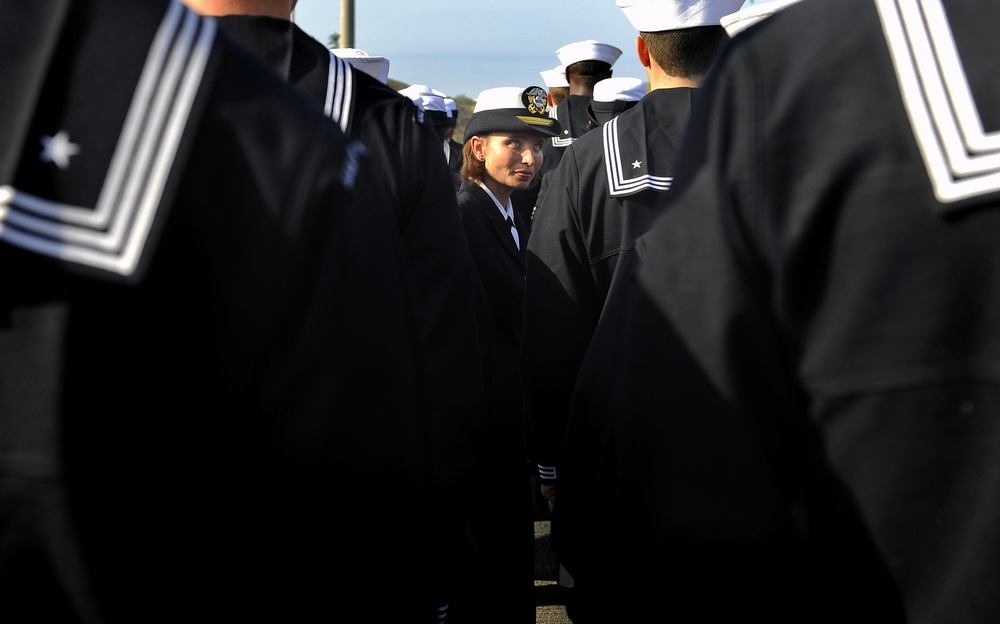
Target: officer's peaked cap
512, 109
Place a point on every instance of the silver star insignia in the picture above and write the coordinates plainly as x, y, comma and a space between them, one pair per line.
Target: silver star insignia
637, 164
58, 149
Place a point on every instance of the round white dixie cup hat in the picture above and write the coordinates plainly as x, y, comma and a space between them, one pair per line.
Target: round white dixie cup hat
375, 66
555, 77
659, 15
750, 14
589, 50
427, 98
623, 89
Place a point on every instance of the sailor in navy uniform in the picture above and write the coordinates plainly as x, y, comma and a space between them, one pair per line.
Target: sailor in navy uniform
417, 187
805, 346
440, 113
199, 321
600, 199
503, 150
612, 97
556, 85
434, 105
586, 63
452, 148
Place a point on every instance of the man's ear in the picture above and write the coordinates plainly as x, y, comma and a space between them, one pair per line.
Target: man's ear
642, 50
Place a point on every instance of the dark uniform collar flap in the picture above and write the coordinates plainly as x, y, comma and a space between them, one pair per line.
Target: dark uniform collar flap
79, 198
630, 165
29, 34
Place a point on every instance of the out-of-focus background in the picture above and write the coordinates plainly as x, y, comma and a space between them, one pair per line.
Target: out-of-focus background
462, 48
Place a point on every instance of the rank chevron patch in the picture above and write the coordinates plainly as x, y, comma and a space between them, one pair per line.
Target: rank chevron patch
962, 159
112, 235
561, 141
618, 176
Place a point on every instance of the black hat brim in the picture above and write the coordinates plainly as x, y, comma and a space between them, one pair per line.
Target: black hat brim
510, 120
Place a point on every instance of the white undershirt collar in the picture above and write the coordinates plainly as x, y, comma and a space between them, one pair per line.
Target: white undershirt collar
507, 212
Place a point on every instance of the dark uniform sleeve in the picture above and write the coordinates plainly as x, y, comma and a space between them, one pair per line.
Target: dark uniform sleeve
444, 288
561, 310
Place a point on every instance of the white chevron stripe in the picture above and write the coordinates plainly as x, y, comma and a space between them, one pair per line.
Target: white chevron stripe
559, 141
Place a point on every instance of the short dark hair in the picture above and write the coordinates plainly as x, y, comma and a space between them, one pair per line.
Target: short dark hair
688, 52
558, 94
587, 73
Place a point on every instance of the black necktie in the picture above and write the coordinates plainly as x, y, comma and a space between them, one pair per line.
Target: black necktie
513, 232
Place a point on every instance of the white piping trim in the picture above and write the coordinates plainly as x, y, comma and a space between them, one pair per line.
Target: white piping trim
957, 82
112, 236
339, 92
944, 104
617, 182
961, 159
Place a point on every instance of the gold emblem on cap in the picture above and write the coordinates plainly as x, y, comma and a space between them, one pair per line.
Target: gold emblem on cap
535, 100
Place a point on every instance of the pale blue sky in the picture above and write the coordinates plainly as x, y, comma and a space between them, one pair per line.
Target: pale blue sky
462, 47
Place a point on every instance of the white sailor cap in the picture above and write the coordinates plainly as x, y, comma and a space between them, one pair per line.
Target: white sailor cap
452, 107
555, 77
751, 13
659, 15
619, 89
375, 66
512, 109
613, 96
426, 98
589, 50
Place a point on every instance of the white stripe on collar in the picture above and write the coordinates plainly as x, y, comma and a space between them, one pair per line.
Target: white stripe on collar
962, 160
339, 104
613, 163
111, 236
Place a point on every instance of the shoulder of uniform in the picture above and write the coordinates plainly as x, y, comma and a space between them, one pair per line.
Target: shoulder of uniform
586, 152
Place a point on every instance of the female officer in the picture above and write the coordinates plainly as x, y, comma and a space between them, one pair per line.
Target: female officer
502, 152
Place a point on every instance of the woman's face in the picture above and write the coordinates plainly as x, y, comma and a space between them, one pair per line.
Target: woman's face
511, 160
